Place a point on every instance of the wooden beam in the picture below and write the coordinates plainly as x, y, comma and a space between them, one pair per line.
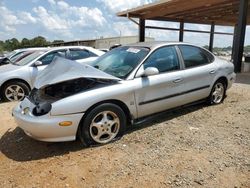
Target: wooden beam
216, 15
223, 33
219, 6
179, 6
206, 22
196, 31
162, 28
222, 12
185, 30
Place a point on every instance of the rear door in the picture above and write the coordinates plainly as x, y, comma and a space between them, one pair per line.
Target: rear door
199, 72
160, 92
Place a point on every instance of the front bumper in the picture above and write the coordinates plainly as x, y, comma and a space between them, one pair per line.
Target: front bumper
46, 127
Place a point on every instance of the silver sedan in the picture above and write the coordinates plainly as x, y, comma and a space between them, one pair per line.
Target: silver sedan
96, 102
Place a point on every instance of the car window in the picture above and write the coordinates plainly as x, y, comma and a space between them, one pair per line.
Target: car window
209, 55
29, 58
15, 57
164, 59
9, 55
121, 61
48, 58
76, 54
91, 54
193, 56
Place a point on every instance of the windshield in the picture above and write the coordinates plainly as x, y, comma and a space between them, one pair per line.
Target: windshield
29, 58
10, 54
121, 61
15, 57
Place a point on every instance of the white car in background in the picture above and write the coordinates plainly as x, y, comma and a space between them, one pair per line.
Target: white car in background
10, 57
16, 80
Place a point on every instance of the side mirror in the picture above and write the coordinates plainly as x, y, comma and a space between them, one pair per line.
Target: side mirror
38, 63
150, 71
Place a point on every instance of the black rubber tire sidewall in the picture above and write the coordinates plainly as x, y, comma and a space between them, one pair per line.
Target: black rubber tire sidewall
84, 133
21, 84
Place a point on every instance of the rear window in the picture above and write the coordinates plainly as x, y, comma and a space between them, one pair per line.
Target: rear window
194, 56
76, 54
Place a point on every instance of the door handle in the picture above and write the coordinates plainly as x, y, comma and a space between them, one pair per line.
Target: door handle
177, 80
212, 72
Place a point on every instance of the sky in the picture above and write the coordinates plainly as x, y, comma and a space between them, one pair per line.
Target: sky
89, 19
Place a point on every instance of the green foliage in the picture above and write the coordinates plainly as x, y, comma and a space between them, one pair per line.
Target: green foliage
57, 41
1, 47
39, 41
12, 44
25, 42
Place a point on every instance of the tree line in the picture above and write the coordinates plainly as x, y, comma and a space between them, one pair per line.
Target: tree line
39, 41
12, 44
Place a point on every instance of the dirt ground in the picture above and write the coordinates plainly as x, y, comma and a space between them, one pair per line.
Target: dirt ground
196, 146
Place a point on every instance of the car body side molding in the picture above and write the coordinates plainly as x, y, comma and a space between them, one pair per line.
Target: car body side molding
173, 95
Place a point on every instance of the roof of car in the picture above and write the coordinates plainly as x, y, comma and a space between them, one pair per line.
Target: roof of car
66, 47
97, 52
156, 44
32, 49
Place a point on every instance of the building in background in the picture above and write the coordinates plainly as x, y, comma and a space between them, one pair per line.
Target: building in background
103, 43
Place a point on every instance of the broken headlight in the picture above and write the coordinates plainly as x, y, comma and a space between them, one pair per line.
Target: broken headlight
42, 109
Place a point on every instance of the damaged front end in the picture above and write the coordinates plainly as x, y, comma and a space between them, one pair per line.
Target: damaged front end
64, 78
45, 96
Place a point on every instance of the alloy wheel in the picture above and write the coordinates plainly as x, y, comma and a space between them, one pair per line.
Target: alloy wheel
218, 93
14, 93
104, 127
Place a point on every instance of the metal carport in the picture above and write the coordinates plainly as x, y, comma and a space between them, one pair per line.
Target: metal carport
212, 12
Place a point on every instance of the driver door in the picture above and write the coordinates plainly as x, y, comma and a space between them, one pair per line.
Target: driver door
160, 92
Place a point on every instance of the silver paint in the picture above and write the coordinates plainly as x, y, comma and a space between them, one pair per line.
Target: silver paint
132, 92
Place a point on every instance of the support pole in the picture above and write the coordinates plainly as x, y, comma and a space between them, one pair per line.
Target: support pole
234, 38
181, 32
238, 45
141, 30
211, 41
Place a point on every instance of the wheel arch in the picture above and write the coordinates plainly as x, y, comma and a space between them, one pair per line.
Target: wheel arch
223, 79
119, 103
15, 79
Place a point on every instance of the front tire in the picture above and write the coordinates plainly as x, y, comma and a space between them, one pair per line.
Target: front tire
14, 91
218, 93
102, 124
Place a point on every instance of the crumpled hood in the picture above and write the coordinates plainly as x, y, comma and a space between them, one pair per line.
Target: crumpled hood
63, 70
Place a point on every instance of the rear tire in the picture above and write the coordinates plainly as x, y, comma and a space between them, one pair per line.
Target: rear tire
102, 125
14, 91
218, 93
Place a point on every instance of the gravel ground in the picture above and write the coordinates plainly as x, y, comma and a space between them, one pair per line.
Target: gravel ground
196, 146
